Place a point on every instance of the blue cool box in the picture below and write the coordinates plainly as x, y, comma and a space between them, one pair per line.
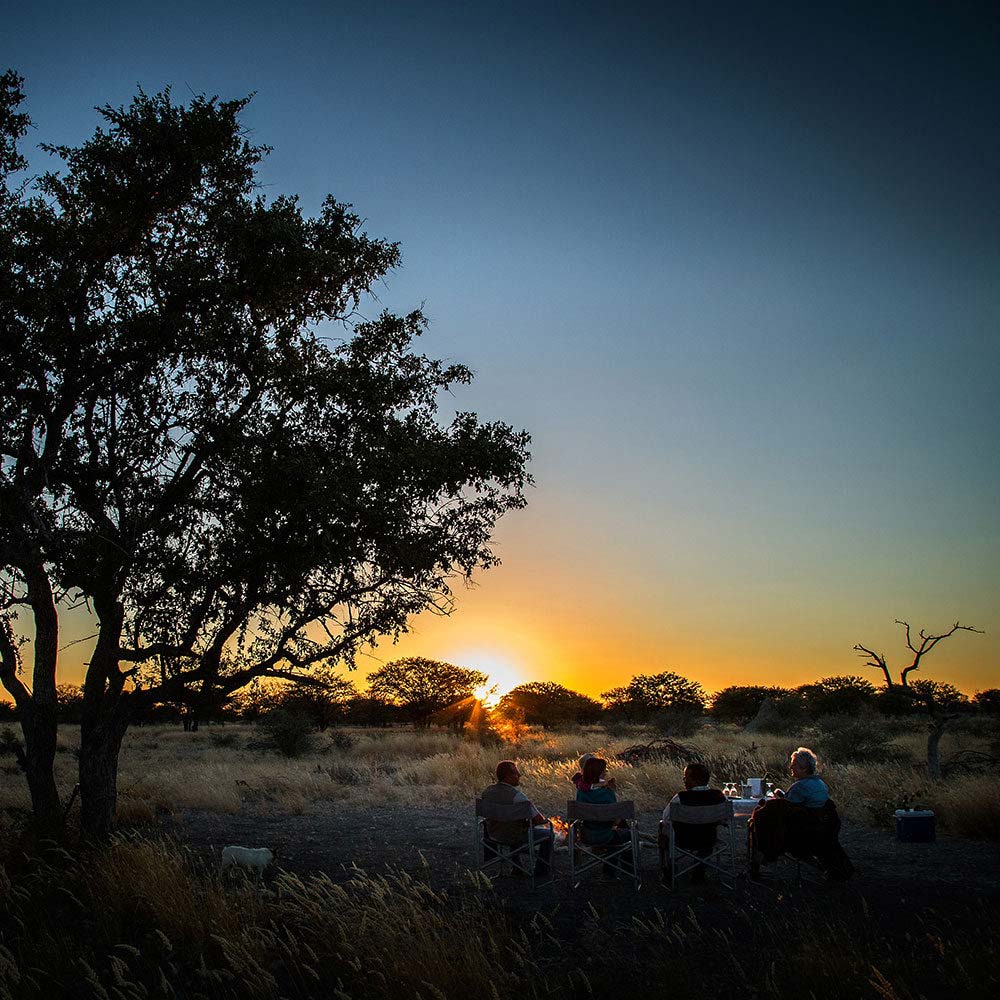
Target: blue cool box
915, 826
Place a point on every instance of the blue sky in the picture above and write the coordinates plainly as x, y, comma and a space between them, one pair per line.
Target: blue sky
735, 266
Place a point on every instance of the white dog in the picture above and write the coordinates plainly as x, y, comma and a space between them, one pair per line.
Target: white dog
255, 859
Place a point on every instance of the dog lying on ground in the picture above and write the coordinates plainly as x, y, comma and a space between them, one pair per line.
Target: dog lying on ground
254, 859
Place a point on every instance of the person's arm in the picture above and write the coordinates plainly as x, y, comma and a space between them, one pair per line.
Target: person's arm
795, 793
537, 816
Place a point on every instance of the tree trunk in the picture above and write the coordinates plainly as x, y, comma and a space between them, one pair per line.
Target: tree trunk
99, 782
106, 709
933, 747
39, 729
38, 707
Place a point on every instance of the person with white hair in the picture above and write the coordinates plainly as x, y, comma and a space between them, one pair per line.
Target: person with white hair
808, 788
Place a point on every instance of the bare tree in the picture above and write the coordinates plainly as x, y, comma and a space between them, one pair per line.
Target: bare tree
941, 702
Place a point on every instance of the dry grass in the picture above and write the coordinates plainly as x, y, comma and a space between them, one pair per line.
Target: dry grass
146, 919
164, 769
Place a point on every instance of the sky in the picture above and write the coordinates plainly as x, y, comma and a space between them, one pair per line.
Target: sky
736, 267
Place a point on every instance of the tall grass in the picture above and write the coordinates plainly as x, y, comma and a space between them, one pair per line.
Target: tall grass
147, 919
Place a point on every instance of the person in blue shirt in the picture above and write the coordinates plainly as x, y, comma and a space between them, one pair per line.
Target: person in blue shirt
597, 788
808, 788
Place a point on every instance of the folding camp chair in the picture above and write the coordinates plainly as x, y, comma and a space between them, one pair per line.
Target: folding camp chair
684, 861
585, 858
810, 841
522, 857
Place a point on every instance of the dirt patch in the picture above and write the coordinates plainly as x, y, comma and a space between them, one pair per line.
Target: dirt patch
893, 881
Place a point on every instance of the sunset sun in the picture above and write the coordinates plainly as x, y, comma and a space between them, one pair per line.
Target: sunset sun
501, 675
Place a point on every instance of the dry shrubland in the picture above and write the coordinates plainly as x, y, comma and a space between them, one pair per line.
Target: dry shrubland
224, 769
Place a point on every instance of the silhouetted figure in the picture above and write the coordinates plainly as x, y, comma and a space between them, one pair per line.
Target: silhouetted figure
699, 838
515, 833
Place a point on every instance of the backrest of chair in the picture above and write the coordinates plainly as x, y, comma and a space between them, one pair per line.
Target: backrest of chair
502, 811
721, 812
600, 813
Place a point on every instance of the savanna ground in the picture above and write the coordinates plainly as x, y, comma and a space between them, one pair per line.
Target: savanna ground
374, 834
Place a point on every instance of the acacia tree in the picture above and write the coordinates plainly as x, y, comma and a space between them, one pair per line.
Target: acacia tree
546, 703
648, 694
185, 445
422, 688
942, 703
740, 703
837, 695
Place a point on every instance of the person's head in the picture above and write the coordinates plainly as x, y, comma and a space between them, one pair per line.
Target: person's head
696, 775
803, 762
593, 769
584, 759
507, 772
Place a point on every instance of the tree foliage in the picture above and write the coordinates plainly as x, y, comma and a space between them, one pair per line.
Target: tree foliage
545, 703
323, 701
647, 695
739, 703
421, 688
837, 696
988, 701
237, 486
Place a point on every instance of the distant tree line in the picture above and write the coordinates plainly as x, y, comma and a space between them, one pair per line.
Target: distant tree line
422, 692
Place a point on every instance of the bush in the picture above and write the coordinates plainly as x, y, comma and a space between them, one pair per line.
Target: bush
783, 715
676, 722
856, 739
224, 739
289, 733
342, 741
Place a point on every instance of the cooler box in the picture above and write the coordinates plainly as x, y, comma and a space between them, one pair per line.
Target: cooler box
915, 826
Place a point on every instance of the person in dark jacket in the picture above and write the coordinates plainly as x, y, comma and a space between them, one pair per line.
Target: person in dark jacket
698, 838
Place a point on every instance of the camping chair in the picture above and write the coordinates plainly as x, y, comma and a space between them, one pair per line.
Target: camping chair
522, 858
585, 858
807, 837
683, 861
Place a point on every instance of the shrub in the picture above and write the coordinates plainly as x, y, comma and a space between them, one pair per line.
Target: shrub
342, 741
224, 739
289, 733
782, 715
676, 722
850, 739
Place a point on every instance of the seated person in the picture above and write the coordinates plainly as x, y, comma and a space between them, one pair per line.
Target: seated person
598, 789
803, 821
595, 787
577, 778
698, 838
515, 833
808, 788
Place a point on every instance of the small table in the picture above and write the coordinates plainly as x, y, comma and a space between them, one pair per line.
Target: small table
742, 808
